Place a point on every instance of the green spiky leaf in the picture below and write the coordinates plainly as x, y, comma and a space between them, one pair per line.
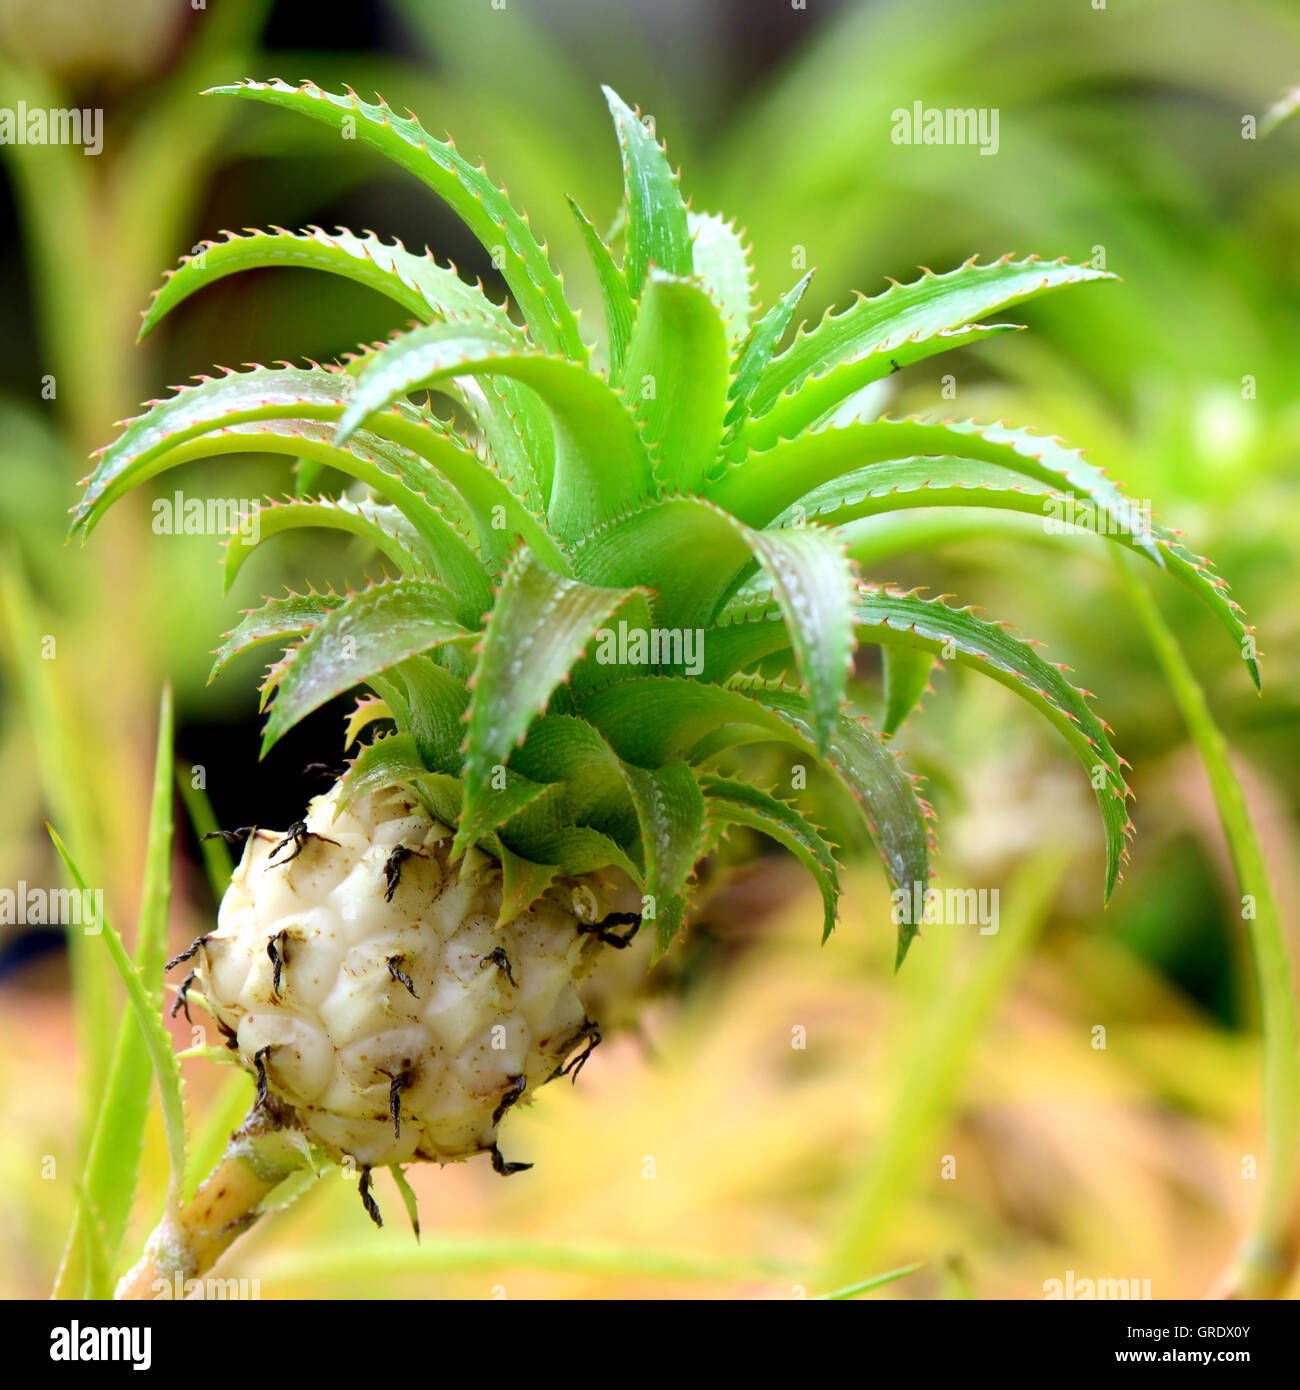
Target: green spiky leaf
676, 378
522, 883
564, 748
139, 452
407, 1194
927, 316
276, 620
674, 826
732, 802
899, 621
581, 850
709, 551
658, 232
619, 308
601, 464
483, 208
650, 720
407, 482
540, 626
367, 633
812, 581
423, 288
895, 814
756, 353
504, 797
431, 702
392, 760
389, 534
956, 634
721, 260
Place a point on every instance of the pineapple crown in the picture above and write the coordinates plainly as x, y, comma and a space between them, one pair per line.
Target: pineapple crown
605, 579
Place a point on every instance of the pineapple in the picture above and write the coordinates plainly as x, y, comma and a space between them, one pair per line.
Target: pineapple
601, 578
375, 986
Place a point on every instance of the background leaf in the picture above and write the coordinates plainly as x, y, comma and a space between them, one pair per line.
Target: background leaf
108, 1183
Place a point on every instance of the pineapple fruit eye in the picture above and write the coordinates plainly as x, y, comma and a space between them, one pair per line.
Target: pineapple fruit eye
638, 557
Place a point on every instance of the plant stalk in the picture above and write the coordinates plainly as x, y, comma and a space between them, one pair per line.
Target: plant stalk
1265, 1260
188, 1241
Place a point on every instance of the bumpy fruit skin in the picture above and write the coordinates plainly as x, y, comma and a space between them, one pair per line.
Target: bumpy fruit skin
342, 1027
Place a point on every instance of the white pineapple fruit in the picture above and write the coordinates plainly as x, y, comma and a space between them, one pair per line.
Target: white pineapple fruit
370, 986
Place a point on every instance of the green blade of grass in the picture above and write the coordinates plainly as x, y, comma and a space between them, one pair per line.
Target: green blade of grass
51, 726
156, 890
1268, 1254
866, 1285
112, 1162
88, 1232
166, 1068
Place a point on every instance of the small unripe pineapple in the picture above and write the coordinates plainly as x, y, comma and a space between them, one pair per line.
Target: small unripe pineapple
594, 599
367, 982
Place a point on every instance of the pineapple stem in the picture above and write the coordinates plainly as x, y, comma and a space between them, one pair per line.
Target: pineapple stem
188, 1242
